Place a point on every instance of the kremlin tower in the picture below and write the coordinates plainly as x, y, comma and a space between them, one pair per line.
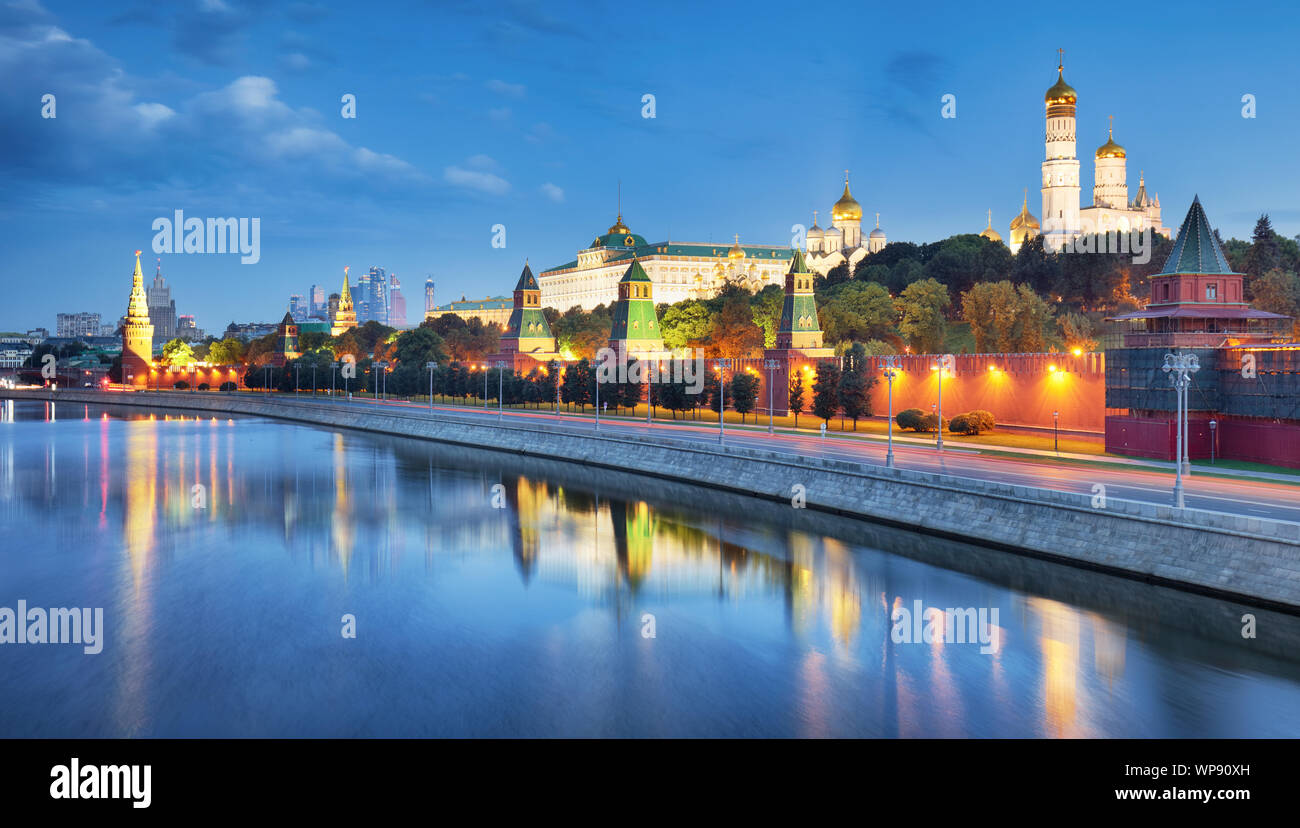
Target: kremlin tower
137, 333
345, 317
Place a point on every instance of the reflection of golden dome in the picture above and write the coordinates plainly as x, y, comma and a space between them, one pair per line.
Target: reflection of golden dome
736, 251
846, 209
1110, 149
1061, 92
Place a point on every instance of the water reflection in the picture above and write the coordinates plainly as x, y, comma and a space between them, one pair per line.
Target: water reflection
498, 597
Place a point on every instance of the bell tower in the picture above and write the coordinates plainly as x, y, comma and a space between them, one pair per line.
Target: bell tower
1060, 221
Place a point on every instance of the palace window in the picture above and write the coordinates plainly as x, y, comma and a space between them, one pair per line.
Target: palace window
1211, 292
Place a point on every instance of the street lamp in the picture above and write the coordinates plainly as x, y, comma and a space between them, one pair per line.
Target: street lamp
770, 365
383, 377
484, 368
500, 365
721, 365
431, 365
940, 365
1180, 368
1056, 445
333, 367
892, 366
266, 378
1214, 424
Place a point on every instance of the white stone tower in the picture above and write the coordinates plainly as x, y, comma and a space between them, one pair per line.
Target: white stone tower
1110, 177
1060, 222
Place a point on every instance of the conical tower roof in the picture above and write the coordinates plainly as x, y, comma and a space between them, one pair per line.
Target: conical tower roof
798, 264
1196, 250
635, 273
138, 306
526, 280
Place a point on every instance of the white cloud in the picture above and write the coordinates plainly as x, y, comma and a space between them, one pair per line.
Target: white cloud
483, 182
553, 192
510, 90
153, 114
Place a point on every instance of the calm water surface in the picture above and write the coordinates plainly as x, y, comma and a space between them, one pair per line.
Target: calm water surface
498, 596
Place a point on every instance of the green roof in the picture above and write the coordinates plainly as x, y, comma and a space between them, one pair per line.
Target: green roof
526, 280
493, 303
635, 273
773, 253
797, 263
1196, 250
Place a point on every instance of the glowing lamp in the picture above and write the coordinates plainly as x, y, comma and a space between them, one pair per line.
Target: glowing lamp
1078, 352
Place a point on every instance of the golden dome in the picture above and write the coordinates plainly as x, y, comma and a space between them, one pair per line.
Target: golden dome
736, 251
989, 233
1110, 149
1025, 219
846, 209
618, 226
1061, 92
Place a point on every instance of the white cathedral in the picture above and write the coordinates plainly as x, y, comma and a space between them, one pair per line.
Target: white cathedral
842, 241
1064, 219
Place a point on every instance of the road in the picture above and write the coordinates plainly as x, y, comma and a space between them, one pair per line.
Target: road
1251, 498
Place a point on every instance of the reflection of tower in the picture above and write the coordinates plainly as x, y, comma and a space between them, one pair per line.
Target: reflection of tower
634, 532
524, 499
341, 517
137, 332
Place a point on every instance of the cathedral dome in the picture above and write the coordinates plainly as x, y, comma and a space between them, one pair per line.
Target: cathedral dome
618, 235
1061, 92
1024, 219
846, 209
877, 233
815, 230
1110, 149
736, 251
989, 233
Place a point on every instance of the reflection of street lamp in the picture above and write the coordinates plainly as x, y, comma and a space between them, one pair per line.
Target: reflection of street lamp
1214, 424
770, 365
1180, 368
1056, 445
892, 366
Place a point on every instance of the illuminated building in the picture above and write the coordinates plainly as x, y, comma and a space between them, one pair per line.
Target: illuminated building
636, 324
344, 317
286, 342
798, 338
842, 241
527, 340
677, 270
490, 310
1248, 384
137, 332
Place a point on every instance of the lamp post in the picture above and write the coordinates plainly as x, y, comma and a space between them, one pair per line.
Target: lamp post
892, 366
1180, 368
722, 365
500, 365
770, 365
383, 378
484, 367
295, 377
1214, 424
266, 378
313, 380
596, 377
333, 366
431, 365
1056, 444
940, 365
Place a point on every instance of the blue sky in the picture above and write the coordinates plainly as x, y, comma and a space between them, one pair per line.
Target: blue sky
528, 114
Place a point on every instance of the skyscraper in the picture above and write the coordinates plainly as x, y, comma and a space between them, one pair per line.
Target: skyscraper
396, 303
162, 309
297, 307
429, 304
376, 296
316, 301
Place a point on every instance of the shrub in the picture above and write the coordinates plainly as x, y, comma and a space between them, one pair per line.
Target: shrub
972, 422
228, 386
930, 423
983, 419
203, 386
910, 418
181, 385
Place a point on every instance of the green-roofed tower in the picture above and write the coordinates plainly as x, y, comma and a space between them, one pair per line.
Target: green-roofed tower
799, 327
527, 330
1196, 250
636, 325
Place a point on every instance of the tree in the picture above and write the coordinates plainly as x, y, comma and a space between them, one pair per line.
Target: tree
578, 381
922, 305
913, 418
826, 391
418, 347
548, 382
856, 311
1077, 331
685, 324
989, 308
855, 385
734, 335
1263, 255
795, 400
766, 307
743, 393
228, 351
1278, 291
177, 353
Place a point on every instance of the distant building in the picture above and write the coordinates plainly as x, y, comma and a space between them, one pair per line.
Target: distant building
14, 354
162, 308
77, 324
286, 342
297, 307
187, 330
248, 331
316, 302
490, 310
428, 296
842, 242
396, 303
108, 330
36, 335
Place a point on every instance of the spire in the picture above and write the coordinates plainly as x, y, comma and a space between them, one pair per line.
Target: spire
526, 279
138, 307
1060, 61
1196, 250
877, 221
